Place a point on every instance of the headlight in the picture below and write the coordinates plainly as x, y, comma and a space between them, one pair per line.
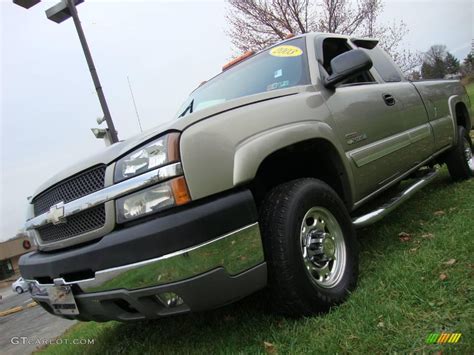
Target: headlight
153, 199
159, 152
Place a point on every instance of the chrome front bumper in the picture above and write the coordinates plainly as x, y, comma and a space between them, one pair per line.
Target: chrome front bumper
227, 256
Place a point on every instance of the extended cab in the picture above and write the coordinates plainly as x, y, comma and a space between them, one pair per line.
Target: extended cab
257, 182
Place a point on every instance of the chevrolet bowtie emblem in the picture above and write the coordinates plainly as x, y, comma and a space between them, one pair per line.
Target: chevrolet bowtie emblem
56, 214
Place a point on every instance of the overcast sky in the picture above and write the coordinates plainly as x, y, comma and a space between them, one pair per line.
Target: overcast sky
48, 103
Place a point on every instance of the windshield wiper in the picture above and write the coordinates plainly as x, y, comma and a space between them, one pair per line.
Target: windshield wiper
189, 108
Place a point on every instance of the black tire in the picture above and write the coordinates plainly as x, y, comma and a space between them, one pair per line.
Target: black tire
19, 290
457, 158
292, 288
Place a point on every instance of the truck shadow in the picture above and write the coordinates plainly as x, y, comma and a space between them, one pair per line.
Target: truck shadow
234, 325
196, 330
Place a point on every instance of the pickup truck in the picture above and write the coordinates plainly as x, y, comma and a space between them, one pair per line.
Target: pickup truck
257, 182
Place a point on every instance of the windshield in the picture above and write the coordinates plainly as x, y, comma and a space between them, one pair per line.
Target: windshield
282, 66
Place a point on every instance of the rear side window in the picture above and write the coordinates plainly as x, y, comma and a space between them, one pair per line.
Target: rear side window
332, 47
384, 65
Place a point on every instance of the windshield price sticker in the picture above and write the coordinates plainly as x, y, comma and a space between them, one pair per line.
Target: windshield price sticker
286, 51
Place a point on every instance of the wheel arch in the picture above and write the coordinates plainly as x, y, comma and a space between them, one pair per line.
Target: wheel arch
462, 115
284, 153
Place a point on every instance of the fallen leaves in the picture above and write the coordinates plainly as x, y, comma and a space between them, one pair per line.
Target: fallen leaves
269, 348
427, 236
443, 276
404, 237
450, 262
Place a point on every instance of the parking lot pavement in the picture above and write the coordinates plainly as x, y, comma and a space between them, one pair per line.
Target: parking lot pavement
6, 292
24, 331
11, 299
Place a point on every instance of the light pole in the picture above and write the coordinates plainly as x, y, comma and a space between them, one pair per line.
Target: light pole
60, 12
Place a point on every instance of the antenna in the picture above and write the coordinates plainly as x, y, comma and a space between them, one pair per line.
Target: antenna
134, 104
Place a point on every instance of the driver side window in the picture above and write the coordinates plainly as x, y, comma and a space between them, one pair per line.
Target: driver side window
332, 47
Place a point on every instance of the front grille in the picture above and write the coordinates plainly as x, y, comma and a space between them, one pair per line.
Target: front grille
77, 186
75, 225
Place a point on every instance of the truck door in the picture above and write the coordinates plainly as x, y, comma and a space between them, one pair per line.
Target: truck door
375, 121
414, 116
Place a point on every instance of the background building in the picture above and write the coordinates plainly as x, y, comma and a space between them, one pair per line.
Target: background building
10, 252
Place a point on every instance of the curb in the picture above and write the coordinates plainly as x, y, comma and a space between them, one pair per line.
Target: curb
11, 311
17, 309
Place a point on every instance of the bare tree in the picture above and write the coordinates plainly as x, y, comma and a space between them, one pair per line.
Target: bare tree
391, 39
342, 16
256, 24
407, 60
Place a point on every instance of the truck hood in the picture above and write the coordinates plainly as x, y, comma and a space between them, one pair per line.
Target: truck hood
117, 150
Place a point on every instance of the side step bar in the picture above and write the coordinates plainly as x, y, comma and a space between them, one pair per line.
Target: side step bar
382, 211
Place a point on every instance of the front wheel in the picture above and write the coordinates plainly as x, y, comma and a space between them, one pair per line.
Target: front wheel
19, 290
460, 160
310, 247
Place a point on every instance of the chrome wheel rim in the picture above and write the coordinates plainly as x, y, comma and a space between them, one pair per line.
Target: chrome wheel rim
468, 154
322, 247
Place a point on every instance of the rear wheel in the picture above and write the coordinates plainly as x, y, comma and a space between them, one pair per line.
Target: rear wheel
460, 159
310, 247
19, 290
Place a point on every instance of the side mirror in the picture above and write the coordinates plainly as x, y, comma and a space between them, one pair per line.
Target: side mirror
347, 65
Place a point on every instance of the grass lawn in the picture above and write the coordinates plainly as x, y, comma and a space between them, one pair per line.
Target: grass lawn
409, 287
470, 91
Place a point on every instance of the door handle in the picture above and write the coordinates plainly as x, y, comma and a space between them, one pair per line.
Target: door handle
389, 99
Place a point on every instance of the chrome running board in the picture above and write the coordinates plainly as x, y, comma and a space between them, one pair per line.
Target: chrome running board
376, 215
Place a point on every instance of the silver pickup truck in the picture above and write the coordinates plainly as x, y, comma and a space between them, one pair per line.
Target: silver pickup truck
258, 182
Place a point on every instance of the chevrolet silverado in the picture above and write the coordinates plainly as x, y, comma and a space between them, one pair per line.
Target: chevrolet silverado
257, 182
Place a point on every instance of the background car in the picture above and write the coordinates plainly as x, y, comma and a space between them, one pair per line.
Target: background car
20, 286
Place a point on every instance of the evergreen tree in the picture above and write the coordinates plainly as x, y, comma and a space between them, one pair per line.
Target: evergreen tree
468, 65
426, 71
438, 62
451, 64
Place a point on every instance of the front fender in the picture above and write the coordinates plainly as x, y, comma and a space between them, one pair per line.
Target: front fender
251, 152
226, 150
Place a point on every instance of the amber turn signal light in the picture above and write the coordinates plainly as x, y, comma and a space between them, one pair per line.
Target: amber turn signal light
180, 191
